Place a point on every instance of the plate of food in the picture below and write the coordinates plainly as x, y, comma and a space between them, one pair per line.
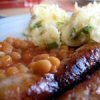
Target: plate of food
51, 54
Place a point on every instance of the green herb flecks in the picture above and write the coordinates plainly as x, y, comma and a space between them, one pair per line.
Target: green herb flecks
85, 30
52, 45
60, 23
36, 25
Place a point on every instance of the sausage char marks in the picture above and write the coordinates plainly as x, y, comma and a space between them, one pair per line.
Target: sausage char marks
43, 89
82, 63
87, 90
23, 77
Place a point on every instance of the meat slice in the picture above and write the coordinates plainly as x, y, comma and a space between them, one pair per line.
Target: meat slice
43, 89
88, 90
82, 63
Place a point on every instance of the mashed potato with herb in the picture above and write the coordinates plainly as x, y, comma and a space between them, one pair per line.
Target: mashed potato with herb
45, 25
84, 25
51, 26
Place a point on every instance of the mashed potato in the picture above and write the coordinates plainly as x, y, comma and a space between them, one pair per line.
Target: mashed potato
52, 26
84, 25
45, 25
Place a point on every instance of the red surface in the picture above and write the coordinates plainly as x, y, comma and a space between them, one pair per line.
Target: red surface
5, 4
14, 3
11, 5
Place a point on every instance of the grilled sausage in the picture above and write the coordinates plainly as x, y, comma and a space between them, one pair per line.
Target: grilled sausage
87, 90
81, 64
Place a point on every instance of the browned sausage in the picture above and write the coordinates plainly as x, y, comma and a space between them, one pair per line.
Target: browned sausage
81, 64
87, 90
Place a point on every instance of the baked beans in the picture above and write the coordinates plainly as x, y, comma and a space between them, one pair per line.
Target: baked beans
23, 64
22, 56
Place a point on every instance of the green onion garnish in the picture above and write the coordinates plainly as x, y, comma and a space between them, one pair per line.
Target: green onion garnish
85, 30
52, 45
36, 25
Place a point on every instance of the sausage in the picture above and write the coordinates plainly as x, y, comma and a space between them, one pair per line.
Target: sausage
43, 89
82, 63
87, 90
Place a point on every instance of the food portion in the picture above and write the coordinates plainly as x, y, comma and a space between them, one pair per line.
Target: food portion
45, 25
84, 26
48, 63
30, 72
81, 63
88, 90
51, 26
22, 64
74, 70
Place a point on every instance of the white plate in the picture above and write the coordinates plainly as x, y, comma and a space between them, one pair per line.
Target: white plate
14, 26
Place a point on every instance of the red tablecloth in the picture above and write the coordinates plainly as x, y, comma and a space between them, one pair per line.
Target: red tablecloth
15, 3
5, 4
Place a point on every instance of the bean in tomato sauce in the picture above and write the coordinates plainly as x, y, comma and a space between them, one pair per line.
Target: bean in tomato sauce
21, 62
